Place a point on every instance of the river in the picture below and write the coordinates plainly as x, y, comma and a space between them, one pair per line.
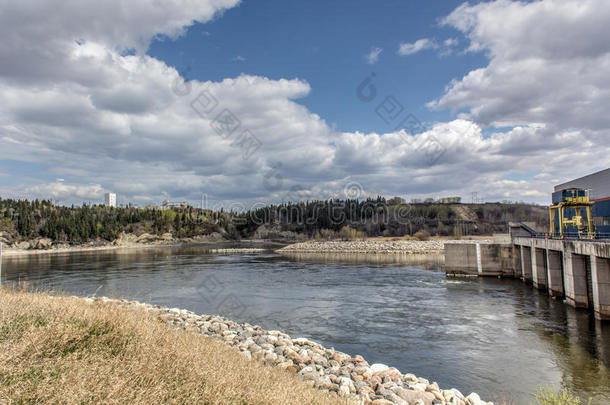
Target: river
499, 338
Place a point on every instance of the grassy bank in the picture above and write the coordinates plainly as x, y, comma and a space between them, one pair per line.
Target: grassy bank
66, 350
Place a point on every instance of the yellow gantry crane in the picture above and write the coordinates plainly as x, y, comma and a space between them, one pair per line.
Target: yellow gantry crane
571, 214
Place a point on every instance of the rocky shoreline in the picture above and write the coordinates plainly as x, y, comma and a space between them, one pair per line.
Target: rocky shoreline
125, 241
386, 247
322, 368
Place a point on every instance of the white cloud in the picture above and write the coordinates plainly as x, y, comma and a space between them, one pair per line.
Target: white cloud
451, 42
59, 190
239, 58
407, 48
444, 48
373, 56
537, 73
105, 120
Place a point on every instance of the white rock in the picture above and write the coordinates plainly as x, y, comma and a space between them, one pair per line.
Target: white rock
343, 390
307, 369
457, 393
420, 387
378, 367
474, 399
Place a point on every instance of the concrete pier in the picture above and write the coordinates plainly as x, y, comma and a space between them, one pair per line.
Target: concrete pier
576, 280
578, 271
600, 274
555, 273
526, 263
539, 276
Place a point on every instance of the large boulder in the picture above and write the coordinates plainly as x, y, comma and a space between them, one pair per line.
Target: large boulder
413, 396
23, 245
146, 238
42, 243
167, 236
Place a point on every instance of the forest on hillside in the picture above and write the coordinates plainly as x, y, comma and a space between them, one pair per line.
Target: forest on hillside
393, 217
22, 220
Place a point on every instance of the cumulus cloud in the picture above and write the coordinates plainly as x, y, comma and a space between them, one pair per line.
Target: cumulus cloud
60, 190
373, 56
535, 74
107, 119
90, 111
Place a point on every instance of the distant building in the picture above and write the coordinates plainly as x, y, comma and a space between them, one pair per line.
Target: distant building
174, 204
110, 200
450, 200
598, 185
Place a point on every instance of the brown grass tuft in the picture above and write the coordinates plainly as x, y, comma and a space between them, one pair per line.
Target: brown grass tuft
66, 350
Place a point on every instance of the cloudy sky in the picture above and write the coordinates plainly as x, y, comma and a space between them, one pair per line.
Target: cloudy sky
252, 101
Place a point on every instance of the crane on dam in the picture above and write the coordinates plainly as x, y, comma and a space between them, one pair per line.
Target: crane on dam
571, 214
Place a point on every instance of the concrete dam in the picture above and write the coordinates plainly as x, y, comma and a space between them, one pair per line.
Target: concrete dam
574, 270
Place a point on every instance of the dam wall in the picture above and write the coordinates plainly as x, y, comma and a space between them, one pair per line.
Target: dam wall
573, 270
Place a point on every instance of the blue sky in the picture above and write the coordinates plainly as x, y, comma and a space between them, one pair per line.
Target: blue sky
507, 92
325, 43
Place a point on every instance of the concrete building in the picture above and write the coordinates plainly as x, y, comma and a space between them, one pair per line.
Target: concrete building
598, 185
110, 200
174, 204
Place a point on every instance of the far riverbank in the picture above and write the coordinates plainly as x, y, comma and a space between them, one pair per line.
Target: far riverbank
371, 247
218, 245
146, 241
15, 252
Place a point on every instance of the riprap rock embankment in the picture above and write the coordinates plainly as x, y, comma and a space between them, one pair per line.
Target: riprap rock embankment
323, 368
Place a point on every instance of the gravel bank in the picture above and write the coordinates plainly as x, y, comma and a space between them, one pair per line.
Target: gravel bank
325, 369
238, 250
389, 247
431, 246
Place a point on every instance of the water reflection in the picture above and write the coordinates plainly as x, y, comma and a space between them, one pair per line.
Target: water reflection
430, 261
500, 338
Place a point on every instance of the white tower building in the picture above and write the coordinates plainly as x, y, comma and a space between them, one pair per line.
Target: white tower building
110, 199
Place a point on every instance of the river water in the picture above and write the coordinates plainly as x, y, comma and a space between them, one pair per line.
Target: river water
499, 338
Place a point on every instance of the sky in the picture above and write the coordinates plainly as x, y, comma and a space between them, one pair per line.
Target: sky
242, 103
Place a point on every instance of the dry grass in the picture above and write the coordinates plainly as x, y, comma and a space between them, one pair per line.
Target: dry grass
65, 350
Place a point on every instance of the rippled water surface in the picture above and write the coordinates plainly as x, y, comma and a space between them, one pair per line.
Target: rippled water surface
500, 338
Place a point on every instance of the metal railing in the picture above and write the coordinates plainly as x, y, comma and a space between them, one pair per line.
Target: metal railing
572, 236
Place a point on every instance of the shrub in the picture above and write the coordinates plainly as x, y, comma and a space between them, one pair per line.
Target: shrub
349, 233
422, 235
548, 396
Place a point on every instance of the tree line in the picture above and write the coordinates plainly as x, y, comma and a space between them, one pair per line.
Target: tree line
387, 217
24, 220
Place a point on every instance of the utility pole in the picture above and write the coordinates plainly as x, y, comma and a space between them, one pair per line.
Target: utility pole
0, 263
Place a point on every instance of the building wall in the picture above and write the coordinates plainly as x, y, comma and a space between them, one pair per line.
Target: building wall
110, 199
598, 183
601, 214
